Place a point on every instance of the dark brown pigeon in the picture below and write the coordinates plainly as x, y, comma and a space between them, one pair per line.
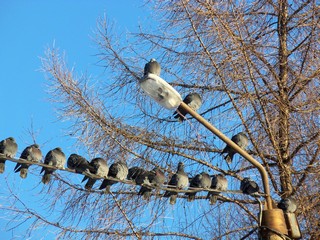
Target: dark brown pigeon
117, 170
9, 148
241, 140
56, 158
179, 181
249, 186
152, 67
100, 168
201, 180
193, 100
31, 153
220, 183
156, 179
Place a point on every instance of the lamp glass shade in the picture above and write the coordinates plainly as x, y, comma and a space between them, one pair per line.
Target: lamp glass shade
161, 91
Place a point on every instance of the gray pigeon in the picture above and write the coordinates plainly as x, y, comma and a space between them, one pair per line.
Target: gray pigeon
201, 180
179, 180
288, 205
220, 183
152, 67
193, 100
56, 158
79, 163
138, 175
9, 148
241, 140
30, 153
100, 168
249, 186
156, 179
117, 170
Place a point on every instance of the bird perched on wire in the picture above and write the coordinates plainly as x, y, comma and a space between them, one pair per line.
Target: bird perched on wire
193, 100
249, 186
99, 168
56, 158
220, 183
201, 180
117, 170
179, 181
156, 179
137, 174
79, 164
9, 148
241, 140
31, 153
152, 67
288, 205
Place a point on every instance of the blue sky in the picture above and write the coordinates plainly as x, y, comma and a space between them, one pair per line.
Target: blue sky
27, 29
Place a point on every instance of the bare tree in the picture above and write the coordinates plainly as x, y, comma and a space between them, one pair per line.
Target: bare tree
256, 65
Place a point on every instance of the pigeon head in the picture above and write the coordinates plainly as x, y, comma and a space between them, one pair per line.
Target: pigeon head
11, 139
246, 179
243, 134
35, 145
180, 166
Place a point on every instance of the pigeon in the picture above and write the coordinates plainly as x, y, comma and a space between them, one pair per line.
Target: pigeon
179, 180
193, 100
156, 179
249, 186
137, 174
241, 140
79, 164
152, 67
30, 153
201, 180
117, 170
100, 168
9, 148
220, 183
288, 205
56, 158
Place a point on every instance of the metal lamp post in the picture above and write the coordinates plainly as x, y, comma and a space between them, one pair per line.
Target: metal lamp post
163, 93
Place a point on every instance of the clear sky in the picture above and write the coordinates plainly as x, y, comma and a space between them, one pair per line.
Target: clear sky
27, 29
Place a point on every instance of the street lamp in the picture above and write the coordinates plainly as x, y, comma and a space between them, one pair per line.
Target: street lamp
163, 93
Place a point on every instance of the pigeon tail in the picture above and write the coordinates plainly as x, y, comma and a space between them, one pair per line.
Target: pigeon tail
146, 195
173, 199
167, 194
17, 167
84, 178
108, 189
46, 178
23, 172
191, 197
90, 184
145, 192
2, 166
179, 115
229, 157
107, 183
42, 170
213, 199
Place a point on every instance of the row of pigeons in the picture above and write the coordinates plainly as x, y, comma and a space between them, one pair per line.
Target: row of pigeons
118, 170
148, 180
